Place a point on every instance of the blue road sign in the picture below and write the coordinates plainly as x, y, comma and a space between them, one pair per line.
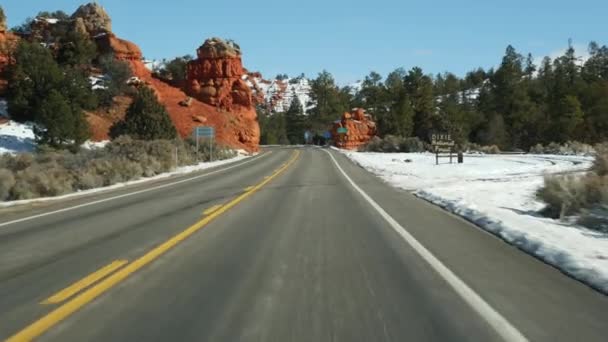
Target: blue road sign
204, 132
327, 135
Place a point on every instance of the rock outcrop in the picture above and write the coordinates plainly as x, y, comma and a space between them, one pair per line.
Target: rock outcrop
8, 41
230, 110
93, 19
360, 129
215, 77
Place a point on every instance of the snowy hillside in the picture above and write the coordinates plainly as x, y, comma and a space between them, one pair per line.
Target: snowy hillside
278, 94
498, 194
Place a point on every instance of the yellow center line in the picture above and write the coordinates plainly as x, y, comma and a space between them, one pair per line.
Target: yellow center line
45, 323
211, 210
249, 188
84, 283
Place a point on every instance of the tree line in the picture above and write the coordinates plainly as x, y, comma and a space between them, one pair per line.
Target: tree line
514, 106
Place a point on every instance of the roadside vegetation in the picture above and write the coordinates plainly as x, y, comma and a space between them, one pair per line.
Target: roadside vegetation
54, 172
580, 195
515, 106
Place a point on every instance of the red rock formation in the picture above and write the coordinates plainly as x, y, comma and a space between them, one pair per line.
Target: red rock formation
360, 130
215, 77
8, 41
231, 110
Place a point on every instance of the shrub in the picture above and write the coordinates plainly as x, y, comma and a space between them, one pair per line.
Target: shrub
568, 148
585, 195
392, 143
412, 144
472, 147
7, 181
146, 119
600, 165
52, 172
564, 195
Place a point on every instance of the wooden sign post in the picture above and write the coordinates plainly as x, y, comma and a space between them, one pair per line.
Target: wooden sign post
443, 143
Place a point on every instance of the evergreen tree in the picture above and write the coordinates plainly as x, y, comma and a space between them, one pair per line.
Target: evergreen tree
61, 124
117, 73
330, 102
31, 78
397, 111
295, 122
175, 70
76, 50
420, 89
146, 119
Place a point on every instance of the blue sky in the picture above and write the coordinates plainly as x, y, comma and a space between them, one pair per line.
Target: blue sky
350, 38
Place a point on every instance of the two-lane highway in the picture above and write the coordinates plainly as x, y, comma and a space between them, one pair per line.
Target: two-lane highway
296, 245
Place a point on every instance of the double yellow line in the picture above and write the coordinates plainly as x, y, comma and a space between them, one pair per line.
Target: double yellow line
53, 318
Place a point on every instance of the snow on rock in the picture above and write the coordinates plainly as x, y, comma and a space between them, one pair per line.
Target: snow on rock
16, 137
278, 94
497, 192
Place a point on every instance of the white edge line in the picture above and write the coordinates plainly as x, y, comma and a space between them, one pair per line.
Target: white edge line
500, 324
29, 218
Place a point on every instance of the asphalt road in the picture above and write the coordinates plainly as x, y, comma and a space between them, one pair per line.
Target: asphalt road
282, 247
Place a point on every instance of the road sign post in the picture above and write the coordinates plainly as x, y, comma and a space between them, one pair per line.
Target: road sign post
204, 132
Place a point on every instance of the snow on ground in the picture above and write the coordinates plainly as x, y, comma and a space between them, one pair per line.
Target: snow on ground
179, 171
497, 192
16, 137
19, 138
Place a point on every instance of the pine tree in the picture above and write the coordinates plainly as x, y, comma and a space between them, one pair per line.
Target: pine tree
31, 78
76, 50
295, 121
60, 124
420, 89
146, 119
330, 102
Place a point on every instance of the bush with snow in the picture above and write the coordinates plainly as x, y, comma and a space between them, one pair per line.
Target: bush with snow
570, 148
585, 196
393, 144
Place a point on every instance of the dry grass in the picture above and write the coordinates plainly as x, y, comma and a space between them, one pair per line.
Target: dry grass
580, 195
50, 173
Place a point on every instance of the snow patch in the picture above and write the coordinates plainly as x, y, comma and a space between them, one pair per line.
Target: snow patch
497, 193
16, 137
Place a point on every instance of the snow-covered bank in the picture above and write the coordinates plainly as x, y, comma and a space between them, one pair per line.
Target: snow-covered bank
16, 137
179, 171
497, 193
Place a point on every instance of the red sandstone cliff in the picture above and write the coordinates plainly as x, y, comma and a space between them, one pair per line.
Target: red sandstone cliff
229, 108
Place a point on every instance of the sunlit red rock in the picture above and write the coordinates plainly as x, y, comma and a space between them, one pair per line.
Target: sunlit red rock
360, 130
220, 98
215, 77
